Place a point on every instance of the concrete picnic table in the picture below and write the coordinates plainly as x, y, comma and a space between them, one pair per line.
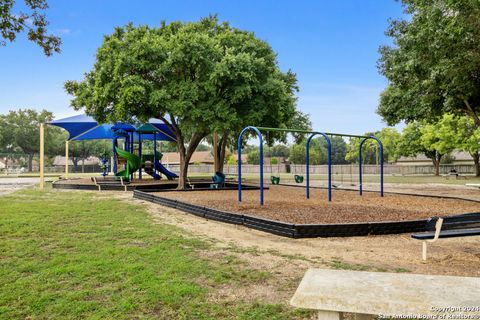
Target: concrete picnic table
389, 295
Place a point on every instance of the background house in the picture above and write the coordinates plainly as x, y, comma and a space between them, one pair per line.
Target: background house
458, 158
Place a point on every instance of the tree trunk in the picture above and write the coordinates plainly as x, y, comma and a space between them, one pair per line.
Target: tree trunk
83, 165
186, 155
75, 164
476, 160
221, 149
436, 163
182, 178
471, 112
30, 162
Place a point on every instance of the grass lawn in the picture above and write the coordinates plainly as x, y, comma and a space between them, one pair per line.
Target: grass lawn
77, 255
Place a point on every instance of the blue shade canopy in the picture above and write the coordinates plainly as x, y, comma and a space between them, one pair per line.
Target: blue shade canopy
123, 126
83, 127
76, 125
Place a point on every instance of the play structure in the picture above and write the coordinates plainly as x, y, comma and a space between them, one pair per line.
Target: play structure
131, 162
127, 142
299, 179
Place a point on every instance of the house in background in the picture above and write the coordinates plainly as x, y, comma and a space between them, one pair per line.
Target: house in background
459, 158
203, 157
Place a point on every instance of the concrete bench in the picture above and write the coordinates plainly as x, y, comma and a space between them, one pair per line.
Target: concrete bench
388, 295
454, 175
475, 185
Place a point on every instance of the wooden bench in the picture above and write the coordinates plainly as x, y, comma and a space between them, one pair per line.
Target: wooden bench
465, 225
110, 182
389, 295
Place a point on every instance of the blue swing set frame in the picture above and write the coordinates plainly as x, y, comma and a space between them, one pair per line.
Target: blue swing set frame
312, 134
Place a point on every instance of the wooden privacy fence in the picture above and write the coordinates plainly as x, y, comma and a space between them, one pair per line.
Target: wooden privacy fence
345, 169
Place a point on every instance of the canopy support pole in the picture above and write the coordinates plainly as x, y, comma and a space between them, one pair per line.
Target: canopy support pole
42, 156
155, 155
66, 159
140, 155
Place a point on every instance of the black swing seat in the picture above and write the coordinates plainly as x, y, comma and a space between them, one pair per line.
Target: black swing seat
465, 225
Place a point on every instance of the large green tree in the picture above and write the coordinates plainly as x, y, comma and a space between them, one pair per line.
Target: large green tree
370, 153
198, 77
434, 65
318, 153
24, 125
33, 19
434, 140
469, 140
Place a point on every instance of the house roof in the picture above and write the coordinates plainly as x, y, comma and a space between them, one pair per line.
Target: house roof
459, 156
198, 156
60, 161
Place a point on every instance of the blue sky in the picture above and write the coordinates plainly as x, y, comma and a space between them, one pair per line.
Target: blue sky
332, 46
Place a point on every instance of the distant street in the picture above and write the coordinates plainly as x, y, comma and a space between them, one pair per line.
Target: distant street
8, 185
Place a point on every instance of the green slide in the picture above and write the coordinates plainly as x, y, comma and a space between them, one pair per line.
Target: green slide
133, 163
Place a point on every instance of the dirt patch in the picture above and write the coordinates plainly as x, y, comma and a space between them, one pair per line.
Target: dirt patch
395, 253
287, 259
288, 204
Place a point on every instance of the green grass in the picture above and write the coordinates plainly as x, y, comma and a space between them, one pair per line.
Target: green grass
67, 255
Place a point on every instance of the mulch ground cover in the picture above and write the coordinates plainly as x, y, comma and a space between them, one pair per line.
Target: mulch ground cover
289, 204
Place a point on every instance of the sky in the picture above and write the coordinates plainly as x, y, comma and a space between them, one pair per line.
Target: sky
332, 47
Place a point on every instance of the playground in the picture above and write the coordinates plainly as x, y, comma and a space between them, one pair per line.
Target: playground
298, 210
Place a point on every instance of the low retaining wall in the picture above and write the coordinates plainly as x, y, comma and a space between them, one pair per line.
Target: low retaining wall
288, 229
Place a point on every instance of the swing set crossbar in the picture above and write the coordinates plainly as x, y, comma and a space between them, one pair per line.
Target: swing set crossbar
310, 131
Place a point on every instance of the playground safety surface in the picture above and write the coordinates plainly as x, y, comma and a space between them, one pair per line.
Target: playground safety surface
288, 204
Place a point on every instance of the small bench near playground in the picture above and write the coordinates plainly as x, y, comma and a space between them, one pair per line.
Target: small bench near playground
388, 295
454, 175
465, 225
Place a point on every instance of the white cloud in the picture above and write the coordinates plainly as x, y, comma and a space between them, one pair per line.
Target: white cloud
64, 31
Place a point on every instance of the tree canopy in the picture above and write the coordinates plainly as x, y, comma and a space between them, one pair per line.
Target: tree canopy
198, 77
468, 136
34, 21
434, 140
389, 137
20, 131
433, 67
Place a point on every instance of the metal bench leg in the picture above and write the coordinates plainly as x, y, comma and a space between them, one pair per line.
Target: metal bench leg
424, 250
328, 315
